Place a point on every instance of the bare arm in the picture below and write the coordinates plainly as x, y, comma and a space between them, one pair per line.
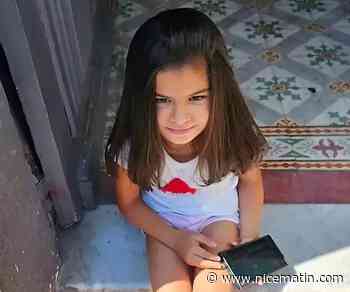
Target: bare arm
139, 214
251, 201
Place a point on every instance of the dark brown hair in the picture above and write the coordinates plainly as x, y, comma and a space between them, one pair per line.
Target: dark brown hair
231, 141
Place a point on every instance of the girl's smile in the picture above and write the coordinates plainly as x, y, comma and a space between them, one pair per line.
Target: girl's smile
180, 131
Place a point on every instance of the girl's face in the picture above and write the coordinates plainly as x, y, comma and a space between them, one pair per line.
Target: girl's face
182, 101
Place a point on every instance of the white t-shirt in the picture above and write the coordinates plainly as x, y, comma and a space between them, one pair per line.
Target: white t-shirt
182, 191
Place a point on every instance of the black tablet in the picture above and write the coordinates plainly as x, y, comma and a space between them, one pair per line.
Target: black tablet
251, 259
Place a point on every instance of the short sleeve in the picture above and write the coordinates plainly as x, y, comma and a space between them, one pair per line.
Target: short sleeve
123, 156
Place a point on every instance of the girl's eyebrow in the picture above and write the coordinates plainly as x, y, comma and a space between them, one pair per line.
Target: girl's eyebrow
199, 91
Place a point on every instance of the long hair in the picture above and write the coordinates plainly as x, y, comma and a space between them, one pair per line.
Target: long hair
231, 140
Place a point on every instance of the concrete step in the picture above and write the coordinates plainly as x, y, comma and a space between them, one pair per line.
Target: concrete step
103, 253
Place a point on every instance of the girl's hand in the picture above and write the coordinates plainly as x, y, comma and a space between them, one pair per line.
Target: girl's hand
243, 240
247, 239
188, 247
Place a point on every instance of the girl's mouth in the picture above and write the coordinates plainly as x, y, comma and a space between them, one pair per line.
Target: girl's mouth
180, 132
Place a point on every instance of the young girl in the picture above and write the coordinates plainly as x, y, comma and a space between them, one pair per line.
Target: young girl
185, 152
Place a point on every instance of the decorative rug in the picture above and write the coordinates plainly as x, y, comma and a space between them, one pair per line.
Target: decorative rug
307, 165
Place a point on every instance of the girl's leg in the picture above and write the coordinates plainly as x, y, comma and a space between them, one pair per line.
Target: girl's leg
168, 273
223, 232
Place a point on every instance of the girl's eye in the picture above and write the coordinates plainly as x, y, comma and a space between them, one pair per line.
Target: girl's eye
195, 98
199, 97
160, 100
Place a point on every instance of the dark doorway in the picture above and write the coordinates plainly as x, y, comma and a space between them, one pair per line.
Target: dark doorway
16, 108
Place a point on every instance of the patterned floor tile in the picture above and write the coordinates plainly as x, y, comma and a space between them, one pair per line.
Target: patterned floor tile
310, 9
263, 30
263, 115
238, 57
281, 148
127, 10
323, 54
306, 148
278, 89
260, 89
217, 10
338, 114
343, 25
261, 123
118, 62
315, 148
346, 101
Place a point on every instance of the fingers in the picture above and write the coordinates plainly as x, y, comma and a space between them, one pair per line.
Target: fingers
207, 241
206, 260
206, 254
199, 262
235, 243
247, 239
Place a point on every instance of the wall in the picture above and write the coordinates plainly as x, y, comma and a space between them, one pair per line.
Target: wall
28, 257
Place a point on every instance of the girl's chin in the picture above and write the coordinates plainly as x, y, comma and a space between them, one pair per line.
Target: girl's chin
172, 142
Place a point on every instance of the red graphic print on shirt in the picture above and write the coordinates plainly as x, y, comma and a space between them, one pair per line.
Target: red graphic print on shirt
177, 185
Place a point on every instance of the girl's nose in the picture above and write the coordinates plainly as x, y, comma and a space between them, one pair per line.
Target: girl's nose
180, 115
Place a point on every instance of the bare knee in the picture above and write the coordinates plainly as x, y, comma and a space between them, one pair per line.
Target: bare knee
223, 233
212, 280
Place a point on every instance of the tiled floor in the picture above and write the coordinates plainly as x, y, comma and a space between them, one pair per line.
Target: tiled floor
292, 59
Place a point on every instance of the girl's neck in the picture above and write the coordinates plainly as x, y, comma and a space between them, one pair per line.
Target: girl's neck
182, 154
183, 158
